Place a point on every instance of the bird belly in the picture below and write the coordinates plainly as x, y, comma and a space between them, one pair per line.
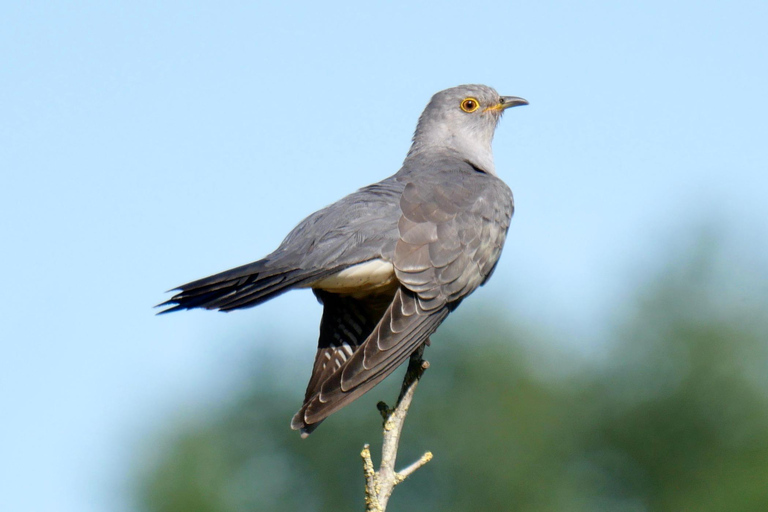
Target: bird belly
361, 279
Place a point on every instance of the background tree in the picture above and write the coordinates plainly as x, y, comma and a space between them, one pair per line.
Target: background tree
674, 416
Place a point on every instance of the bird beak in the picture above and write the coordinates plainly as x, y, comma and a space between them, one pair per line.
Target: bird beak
508, 102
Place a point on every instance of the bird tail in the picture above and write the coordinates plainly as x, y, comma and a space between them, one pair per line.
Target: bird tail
241, 287
403, 327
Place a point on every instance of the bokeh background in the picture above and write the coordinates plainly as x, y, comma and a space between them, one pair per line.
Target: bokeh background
616, 361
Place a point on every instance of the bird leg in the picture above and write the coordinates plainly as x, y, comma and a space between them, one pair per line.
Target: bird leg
380, 484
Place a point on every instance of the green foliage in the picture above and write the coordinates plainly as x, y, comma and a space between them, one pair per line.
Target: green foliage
675, 418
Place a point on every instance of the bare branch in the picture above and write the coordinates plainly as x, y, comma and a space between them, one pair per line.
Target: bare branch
371, 482
380, 484
406, 472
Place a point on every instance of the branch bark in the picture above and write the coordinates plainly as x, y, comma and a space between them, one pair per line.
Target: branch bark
380, 484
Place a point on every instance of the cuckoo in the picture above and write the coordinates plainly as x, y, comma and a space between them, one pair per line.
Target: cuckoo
390, 261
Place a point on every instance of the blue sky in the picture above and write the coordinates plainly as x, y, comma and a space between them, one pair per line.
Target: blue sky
145, 144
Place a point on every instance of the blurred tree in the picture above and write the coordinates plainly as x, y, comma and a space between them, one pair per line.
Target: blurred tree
676, 418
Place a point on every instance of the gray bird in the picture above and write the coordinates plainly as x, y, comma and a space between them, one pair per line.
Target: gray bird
390, 261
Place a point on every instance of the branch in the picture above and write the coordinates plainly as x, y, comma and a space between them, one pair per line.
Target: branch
380, 484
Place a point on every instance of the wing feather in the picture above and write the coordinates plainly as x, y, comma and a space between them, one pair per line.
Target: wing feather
451, 251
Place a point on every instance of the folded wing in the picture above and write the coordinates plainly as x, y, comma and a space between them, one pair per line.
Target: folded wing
451, 232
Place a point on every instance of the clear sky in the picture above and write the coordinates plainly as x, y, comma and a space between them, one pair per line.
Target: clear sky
146, 144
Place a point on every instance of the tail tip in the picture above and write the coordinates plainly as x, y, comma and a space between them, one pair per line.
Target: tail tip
299, 423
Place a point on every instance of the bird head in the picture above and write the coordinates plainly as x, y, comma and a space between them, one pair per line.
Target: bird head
463, 119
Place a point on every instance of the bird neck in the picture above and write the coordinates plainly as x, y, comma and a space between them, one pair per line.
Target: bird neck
472, 144
477, 154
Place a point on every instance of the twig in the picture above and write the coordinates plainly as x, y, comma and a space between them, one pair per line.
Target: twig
380, 484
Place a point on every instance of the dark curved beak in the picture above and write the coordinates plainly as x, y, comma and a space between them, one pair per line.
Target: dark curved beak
511, 101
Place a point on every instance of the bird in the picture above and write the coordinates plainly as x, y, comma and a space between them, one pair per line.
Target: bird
390, 261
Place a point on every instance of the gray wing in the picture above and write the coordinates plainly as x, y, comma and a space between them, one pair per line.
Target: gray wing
360, 227
451, 235
451, 232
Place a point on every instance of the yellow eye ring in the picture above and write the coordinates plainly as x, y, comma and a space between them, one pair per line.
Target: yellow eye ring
469, 105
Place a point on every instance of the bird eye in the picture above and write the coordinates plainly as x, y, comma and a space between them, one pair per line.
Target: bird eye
469, 105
